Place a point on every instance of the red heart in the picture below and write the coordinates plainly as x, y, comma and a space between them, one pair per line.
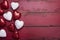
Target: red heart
5, 4
11, 27
2, 22
1, 11
16, 35
16, 15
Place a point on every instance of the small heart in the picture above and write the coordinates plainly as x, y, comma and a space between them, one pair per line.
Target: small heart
4, 4
19, 24
2, 22
16, 15
2, 33
14, 5
8, 15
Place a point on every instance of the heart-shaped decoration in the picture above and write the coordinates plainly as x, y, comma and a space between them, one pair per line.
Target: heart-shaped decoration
2, 33
1, 11
16, 35
4, 4
19, 24
14, 5
11, 27
16, 15
8, 15
2, 22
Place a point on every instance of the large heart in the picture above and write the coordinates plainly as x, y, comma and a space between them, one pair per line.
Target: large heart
2, 33
19, 24
14, 5
8, 15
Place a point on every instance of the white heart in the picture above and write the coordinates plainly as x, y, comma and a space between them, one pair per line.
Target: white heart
14, 5
19, 24
8, 15
2, 33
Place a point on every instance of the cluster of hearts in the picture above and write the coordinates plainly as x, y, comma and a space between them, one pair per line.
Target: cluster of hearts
8, 16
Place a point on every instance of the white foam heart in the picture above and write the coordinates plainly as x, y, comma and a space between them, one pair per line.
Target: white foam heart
19, 24
8, 15
2, 33
14, 5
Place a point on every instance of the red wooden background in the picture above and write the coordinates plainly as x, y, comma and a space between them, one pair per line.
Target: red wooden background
42, 19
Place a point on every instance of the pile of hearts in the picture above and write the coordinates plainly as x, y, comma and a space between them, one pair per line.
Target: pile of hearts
8, 16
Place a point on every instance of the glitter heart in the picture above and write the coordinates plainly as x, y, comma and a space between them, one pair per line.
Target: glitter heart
14, 5
2, 33
19, 24
8, 16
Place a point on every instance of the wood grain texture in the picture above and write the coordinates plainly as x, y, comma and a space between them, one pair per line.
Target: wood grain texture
37, 13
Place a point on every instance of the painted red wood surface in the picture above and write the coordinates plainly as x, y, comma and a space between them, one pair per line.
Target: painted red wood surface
39, 16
